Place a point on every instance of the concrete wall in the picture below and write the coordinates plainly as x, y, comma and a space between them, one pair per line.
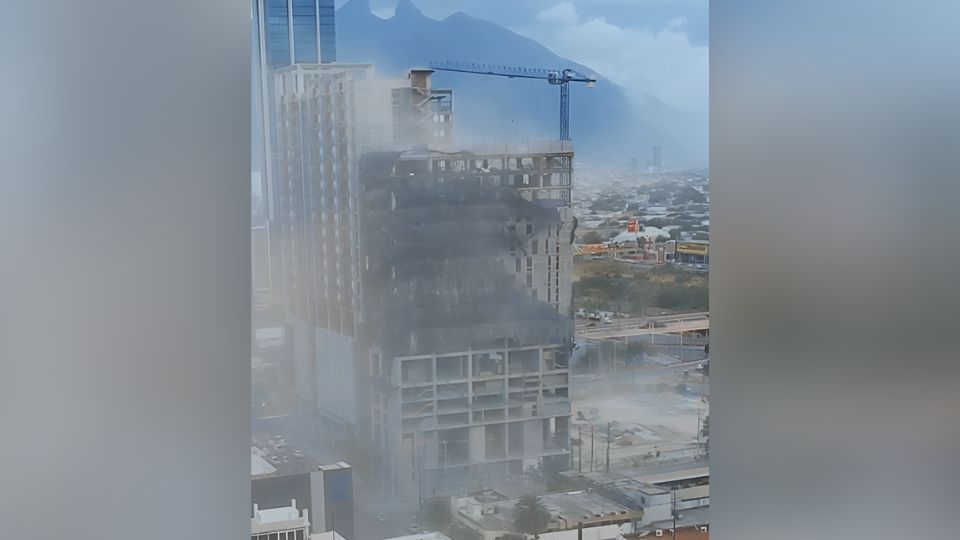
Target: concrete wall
323, 371
658, 512
532, 437
478, 443
603, 532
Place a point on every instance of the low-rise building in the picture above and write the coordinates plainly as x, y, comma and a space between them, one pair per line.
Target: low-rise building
328, 535
325, 490
694, 251
655, 502
654, 494
421, 536
491, 515
282, 523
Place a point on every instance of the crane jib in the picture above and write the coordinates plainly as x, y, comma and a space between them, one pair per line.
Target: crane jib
559, 78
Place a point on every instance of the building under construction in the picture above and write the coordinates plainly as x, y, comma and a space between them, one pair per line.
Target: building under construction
428, 290
467, 289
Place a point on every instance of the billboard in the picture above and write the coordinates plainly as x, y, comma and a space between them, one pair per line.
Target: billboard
692, 248
594, 249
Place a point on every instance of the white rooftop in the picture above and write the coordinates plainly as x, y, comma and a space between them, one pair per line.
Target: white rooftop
269, 333
420, 536
695, 492
258, 465
273, 515
284, 518
328, 535
647, 232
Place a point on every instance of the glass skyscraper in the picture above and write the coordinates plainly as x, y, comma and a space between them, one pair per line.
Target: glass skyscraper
284, 32
296, 31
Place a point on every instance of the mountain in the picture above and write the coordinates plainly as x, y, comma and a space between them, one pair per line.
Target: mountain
605, 125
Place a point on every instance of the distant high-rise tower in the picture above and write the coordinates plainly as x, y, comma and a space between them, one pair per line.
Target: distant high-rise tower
296, 31
285, 32
655, 161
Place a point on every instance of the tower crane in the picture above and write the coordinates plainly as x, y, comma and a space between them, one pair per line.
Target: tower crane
562, 78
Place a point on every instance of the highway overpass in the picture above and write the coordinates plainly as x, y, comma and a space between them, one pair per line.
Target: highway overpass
640, 326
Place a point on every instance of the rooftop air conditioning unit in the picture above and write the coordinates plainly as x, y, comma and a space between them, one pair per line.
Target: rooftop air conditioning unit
703, 528
659, 532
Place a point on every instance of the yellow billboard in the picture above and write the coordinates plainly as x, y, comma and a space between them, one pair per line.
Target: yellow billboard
692, 248
594, 249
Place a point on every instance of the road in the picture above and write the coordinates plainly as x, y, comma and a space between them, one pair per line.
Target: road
685, 322
398, 514
581, 323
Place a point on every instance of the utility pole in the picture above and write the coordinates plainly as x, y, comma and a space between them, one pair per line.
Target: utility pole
674, 511
697, 453
580, 448
420, 486
443, 445
592, 441
608, 447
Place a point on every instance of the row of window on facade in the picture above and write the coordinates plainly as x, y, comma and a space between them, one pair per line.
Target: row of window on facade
283, 535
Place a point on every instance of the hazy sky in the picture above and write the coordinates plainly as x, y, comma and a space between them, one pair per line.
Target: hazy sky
648, 46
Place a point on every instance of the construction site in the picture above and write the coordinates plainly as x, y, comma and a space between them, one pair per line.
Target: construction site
637, 419
423, 324
429, 302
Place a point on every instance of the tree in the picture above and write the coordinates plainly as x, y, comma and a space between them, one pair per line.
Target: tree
656, 222
591, 237
705, 435
688, 194
636, 350
547, 472
530, 516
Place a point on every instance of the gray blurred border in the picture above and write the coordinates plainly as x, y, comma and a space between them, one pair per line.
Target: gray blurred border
124, 223
834, 286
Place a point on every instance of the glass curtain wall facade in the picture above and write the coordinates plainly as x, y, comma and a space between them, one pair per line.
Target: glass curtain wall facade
297, 31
